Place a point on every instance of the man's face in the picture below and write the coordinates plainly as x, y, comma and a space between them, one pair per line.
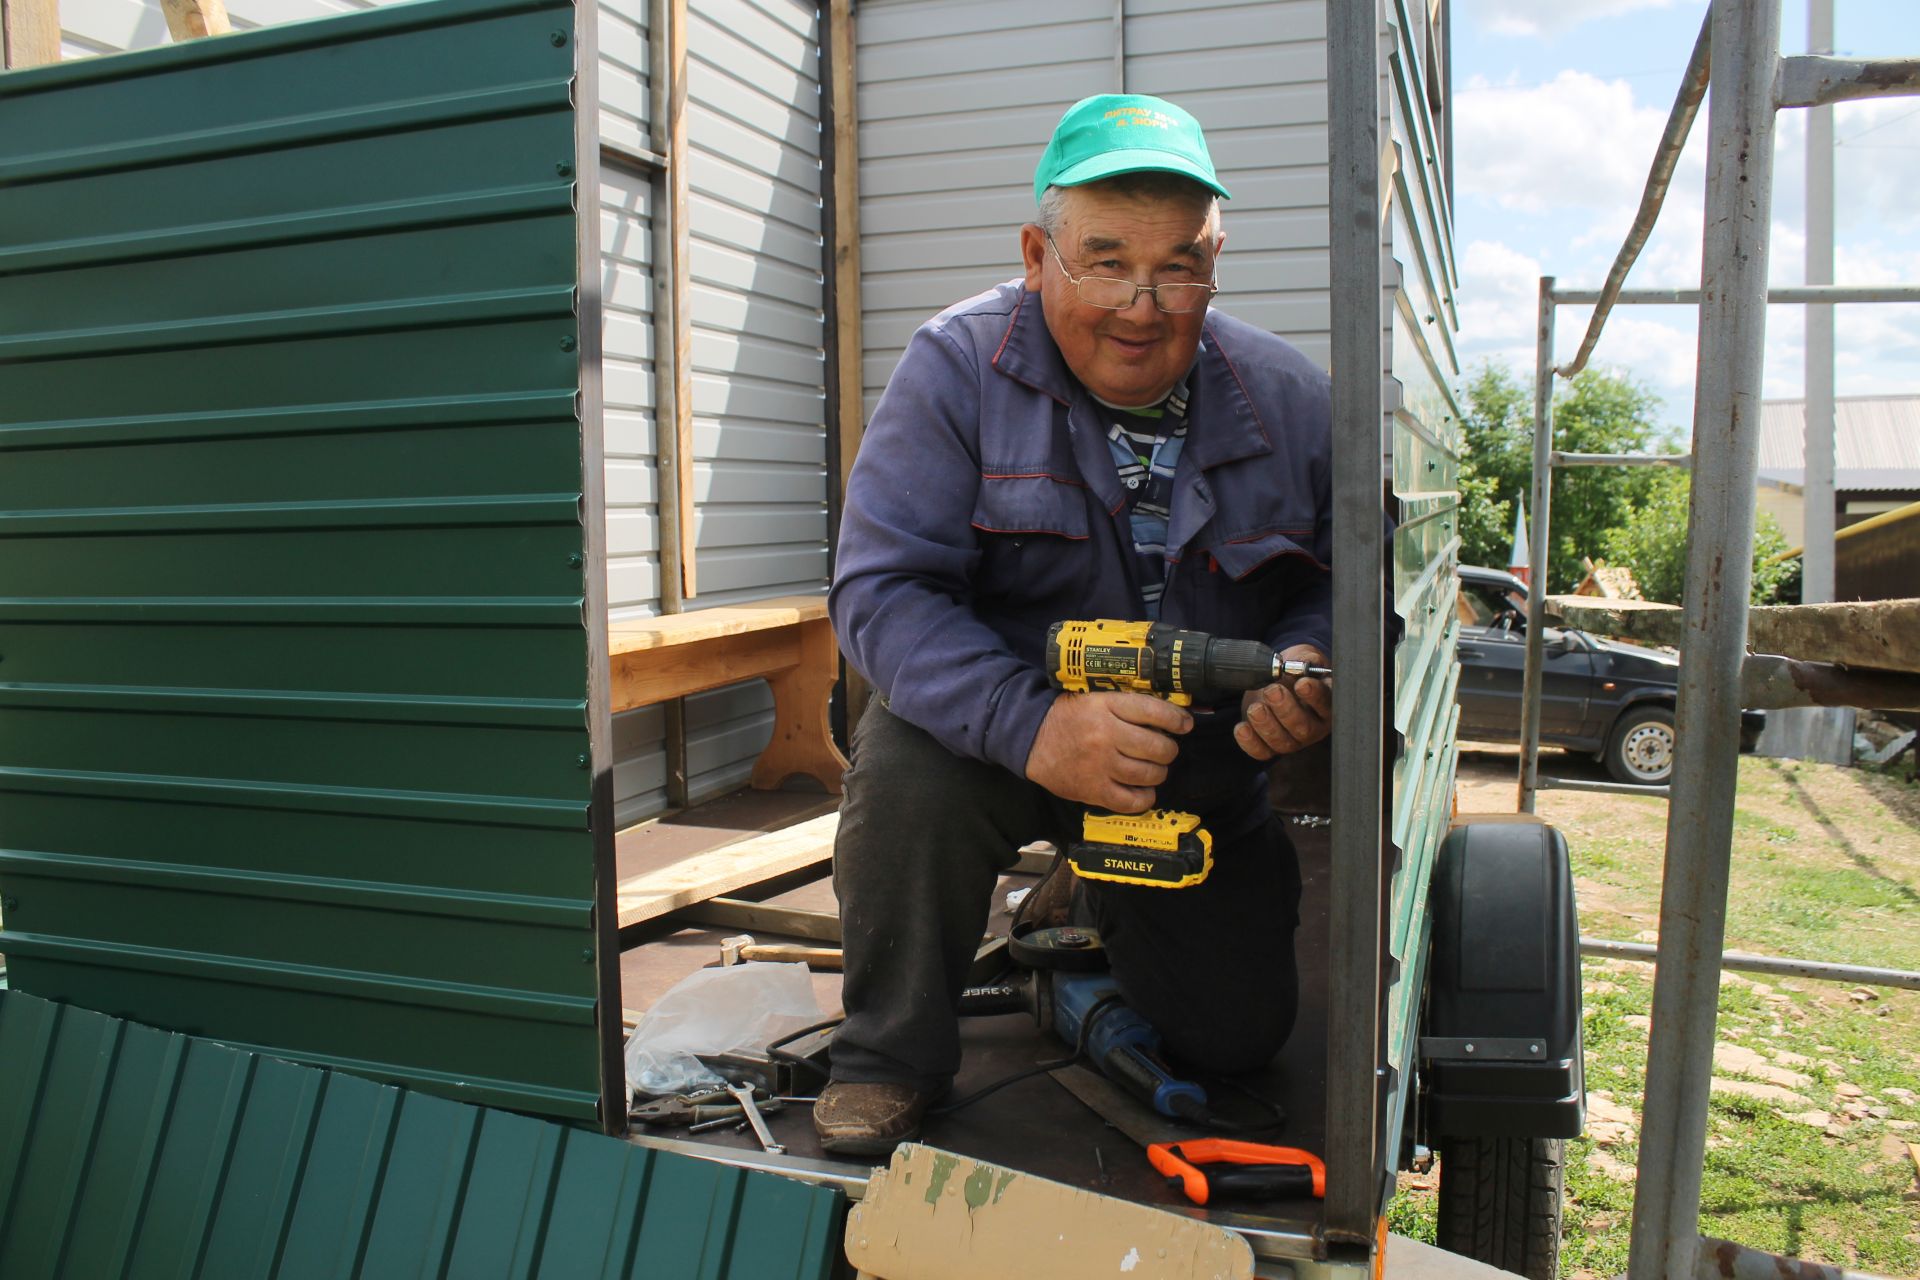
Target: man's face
1134, 356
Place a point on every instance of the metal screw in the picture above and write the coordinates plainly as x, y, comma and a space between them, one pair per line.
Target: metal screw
586, 956
558, 39
567, 343
581, 760
573, 560
1469, 1048
564, 169
1533, 1048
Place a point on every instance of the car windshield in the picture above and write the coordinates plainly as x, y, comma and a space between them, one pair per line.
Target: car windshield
1483, 604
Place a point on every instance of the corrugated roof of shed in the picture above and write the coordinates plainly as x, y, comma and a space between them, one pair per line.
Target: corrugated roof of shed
1876, 442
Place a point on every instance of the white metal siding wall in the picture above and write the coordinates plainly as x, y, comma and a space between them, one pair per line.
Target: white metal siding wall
1255, 75
757, 297
958, 97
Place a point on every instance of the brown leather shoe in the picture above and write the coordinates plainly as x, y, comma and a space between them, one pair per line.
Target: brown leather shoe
868, 1119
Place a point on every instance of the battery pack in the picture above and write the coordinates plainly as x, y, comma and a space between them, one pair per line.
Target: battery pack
1161, 848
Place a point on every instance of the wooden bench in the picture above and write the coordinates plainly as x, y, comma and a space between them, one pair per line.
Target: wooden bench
788, 642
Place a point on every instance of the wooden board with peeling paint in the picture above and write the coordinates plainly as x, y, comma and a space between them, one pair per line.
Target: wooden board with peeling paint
934, 1215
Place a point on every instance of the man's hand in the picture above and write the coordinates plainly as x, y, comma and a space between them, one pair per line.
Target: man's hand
1106, 749
1278, 720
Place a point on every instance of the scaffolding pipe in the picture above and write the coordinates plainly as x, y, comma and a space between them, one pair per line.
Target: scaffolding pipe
1531, 674
1726, 438
1818, 82
1746, 962
1816, 579
1551, 783
1788, 293
1560, 459
1686, 105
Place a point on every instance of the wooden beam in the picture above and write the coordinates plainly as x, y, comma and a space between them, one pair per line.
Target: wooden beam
727, 870
762, 918
1768, 681
849, 351
29, 33
1869, 633
679, 273
191, 19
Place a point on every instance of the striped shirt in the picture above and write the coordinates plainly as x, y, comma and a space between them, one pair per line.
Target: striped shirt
1146, 446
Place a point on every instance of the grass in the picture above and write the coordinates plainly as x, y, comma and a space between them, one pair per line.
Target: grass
1826, 865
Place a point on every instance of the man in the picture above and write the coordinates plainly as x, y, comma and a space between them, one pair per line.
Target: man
1089, 442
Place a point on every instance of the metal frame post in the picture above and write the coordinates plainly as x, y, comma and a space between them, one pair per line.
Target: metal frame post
1726, 437
1359, 613
1817, 556
1532, 677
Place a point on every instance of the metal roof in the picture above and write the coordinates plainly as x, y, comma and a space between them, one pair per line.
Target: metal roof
132, 1152
1876, 442
297, 477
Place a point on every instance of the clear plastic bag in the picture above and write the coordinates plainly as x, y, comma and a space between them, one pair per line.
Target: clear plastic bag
735, 1007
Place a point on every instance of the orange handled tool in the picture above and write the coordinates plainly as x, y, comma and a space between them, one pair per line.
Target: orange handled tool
1255, 1171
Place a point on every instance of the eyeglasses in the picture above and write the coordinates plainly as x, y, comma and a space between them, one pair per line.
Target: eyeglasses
1110, 293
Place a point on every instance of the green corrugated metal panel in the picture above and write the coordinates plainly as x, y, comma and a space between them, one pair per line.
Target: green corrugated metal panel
1426, 439
298, 487
131, 1152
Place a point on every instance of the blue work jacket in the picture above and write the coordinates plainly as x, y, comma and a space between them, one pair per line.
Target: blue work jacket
985, 505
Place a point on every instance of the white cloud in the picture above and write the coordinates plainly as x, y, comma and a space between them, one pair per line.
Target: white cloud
1574, 142
1549, 17
1500, 297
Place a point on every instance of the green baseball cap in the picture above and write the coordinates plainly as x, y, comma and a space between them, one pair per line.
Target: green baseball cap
1114, 133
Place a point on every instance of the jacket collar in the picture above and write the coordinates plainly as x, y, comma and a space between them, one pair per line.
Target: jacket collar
1233, 428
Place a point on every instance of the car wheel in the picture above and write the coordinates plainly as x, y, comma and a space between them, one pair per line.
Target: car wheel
1640, 749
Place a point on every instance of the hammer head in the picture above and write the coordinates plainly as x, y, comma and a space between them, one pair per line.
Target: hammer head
730, 948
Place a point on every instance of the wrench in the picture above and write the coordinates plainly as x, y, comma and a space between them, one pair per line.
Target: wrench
745, 1094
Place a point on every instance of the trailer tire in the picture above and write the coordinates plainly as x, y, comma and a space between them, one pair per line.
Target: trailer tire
1500, 1202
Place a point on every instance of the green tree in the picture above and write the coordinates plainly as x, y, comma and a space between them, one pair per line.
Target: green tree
1653, 543
1600, 411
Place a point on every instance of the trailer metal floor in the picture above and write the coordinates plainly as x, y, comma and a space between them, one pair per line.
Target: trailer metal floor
1035, 1125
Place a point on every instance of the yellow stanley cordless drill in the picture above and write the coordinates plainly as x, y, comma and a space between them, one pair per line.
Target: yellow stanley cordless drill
1161, 847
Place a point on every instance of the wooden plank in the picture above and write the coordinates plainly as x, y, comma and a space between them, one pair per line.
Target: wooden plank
759, 918
680, 275
726, 870
935, 1215
29, 33
642, 678
191, 19
1867, 633
849, 354
704, 624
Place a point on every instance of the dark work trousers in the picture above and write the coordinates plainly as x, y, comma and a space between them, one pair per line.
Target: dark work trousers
923, 835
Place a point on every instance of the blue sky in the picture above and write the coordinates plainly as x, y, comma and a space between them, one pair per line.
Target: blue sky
1557, 107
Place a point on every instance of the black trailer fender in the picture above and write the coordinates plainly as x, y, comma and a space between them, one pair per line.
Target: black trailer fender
1501, 1046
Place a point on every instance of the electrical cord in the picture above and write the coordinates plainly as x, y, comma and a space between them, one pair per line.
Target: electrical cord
1098, 1008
